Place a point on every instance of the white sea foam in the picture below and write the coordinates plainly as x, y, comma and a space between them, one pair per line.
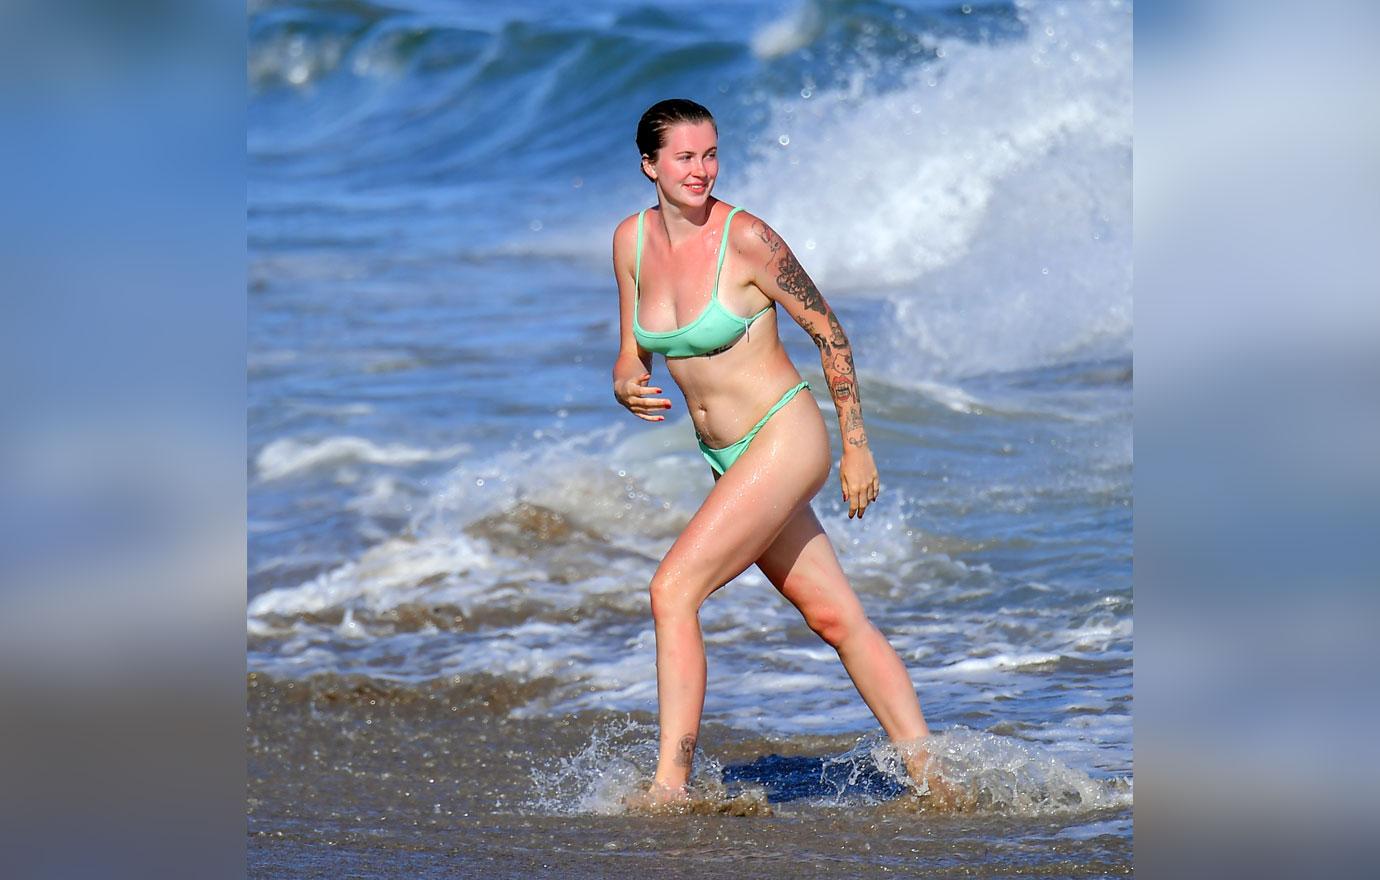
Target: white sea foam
1098, 633
978, 665
1004, 775
289, 456
1011, 777
796, 29
987, 196
384, 577
950, 396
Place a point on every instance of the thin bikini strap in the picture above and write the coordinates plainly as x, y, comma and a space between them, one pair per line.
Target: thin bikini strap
723, 249
638, 280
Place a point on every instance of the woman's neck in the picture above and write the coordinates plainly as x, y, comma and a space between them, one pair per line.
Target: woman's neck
680, 225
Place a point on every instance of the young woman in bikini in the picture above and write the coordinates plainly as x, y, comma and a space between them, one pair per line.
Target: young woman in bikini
698, 282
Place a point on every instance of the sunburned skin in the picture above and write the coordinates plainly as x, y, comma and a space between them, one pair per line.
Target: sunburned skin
836, 355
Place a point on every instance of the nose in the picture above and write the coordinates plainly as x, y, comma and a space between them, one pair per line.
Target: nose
698, 168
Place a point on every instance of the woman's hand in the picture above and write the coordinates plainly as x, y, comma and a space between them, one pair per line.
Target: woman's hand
858, 474
637, 397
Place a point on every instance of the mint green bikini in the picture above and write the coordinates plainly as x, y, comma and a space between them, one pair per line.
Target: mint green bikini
715, 330
722, 459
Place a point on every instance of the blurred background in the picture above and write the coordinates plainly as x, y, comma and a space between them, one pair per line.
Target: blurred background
370, 172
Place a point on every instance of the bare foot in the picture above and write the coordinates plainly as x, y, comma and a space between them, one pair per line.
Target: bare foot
941, 793
659, 798
948, 796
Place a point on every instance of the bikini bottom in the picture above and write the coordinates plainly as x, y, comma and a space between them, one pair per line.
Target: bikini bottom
722, 459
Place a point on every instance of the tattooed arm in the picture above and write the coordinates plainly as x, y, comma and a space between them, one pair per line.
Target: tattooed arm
778, 274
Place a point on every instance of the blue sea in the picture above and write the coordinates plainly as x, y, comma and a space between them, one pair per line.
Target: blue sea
448, 509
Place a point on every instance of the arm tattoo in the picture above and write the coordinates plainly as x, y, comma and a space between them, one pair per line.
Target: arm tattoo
836, 331
773, 242
790, 277
686, 752
844, 385
836, 355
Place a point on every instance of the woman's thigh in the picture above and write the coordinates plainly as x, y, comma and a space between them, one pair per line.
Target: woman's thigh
782, 469
802, 565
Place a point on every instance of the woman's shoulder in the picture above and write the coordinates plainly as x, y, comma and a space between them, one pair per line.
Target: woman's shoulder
750, 234
627, 226
625, 233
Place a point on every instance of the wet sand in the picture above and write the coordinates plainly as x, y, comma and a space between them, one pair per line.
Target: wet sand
350, 776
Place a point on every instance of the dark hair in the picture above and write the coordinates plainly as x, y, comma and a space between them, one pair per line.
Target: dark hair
652, 127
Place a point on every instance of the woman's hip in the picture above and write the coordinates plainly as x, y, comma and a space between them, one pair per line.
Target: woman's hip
792, 427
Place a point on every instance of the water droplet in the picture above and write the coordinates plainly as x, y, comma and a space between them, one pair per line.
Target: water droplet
479, 482
809, 244
805, 93
784, 140
1044, 271
535, 225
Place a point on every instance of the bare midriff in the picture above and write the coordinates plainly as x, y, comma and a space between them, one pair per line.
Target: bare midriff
728, 392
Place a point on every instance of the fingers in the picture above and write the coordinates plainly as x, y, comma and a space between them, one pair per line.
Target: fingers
639, 400
860, 497
646, 407
853, 497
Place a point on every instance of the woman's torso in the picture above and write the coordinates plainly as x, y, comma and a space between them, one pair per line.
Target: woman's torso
728, 391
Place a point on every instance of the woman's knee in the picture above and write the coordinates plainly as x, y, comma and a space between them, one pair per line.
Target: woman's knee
672, 597
834, 626
834, 622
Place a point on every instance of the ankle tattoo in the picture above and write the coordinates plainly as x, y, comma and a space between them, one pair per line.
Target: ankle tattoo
685, 753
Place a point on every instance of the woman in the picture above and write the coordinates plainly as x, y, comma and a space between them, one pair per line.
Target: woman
698, 282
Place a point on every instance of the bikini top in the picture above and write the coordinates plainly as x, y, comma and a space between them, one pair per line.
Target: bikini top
716, 327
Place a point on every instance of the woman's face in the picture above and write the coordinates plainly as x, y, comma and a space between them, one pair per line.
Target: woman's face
687, 163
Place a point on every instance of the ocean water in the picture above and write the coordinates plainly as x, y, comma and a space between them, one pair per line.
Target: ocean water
451, 518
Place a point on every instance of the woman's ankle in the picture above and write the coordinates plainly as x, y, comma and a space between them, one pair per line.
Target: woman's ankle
670, 783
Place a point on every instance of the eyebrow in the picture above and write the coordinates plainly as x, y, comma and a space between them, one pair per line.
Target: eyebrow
692, 152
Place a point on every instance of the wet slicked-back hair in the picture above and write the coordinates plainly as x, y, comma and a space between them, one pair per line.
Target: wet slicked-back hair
652, 127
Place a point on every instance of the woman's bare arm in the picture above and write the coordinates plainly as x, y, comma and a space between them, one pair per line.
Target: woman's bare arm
778, 274
630, 354
632, 369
